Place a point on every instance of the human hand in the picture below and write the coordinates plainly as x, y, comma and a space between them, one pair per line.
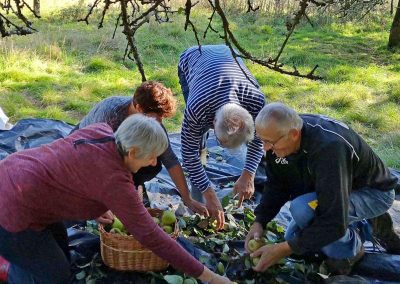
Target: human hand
212, 277
270, 255
214, 207
140, 192
255, 232
196, 207
244, 186
106, 218
218, 279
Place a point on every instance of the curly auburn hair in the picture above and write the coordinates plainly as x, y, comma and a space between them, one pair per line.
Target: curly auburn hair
154, 97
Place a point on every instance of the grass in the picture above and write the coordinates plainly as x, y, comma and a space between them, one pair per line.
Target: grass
63, 70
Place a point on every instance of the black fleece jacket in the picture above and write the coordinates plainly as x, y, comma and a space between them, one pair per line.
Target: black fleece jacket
332, 161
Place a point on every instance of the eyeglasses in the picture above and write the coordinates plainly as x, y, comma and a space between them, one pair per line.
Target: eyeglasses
273, 144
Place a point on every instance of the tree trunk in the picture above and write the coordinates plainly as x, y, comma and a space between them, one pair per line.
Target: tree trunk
394, 37
391, 7
36, 7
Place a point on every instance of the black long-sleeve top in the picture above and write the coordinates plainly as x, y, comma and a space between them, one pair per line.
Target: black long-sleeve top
332, 161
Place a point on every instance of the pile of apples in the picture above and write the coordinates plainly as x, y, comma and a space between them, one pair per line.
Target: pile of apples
166, 222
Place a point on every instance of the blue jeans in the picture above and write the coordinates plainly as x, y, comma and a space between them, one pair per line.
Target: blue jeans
364, 204
35, 256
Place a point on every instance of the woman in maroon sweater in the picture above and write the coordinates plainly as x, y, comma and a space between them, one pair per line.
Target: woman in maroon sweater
77, 178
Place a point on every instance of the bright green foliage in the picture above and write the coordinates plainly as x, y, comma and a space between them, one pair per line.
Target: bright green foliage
63, 70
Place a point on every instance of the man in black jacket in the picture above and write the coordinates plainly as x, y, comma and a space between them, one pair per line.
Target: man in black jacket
334, 181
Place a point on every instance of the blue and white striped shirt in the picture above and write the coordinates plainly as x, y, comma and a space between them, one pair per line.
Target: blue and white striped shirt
214, 79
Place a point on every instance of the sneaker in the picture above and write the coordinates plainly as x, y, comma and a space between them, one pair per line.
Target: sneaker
4, 267
343, 266
383, 231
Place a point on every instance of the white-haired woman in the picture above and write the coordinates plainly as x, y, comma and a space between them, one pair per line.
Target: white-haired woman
81, 177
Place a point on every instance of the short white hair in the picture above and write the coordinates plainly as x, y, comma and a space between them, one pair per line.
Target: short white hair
142, 132
285, 117
233, 124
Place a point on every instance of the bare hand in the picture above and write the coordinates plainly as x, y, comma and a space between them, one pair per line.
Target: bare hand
106, 218
218, 279
244, 186
270, 255
140, 192
197, 207
214, 207
211, 277
256, 231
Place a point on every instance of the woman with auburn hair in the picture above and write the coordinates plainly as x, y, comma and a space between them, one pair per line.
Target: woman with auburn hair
153, 99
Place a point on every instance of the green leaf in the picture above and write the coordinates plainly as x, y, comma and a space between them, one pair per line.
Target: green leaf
280, 229
181, 10
225, 249
225, 200
247, 263
300, 267
81, 275
90, 281
182, 223
173, 279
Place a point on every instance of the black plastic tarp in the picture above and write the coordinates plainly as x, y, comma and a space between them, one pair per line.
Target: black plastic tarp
223, 166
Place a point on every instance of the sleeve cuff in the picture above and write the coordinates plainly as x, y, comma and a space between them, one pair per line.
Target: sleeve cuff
294, 245
262, 220
250, 169
203, 188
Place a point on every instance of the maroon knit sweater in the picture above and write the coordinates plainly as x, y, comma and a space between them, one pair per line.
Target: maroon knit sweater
60, 181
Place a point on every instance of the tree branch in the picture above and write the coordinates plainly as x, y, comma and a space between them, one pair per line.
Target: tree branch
271, 64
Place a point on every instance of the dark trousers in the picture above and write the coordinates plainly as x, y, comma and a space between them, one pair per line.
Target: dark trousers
37, 256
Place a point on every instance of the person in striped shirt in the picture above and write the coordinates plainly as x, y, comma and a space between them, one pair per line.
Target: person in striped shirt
220, 93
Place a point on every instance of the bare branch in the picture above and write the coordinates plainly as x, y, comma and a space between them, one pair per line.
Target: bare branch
131, 40
103, 14
293, 24
86, 19
270, 63
116, 25
209, 24
188, 8
8, 27
250, 7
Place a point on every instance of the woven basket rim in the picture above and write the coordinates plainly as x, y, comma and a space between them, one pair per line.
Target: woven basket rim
125, 246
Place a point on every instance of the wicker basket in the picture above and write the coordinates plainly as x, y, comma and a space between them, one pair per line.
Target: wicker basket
125, 253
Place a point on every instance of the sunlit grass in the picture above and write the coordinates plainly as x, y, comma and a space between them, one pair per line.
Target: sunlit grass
63, 70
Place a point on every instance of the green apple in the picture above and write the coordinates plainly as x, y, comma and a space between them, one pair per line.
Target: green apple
255, 260
167, 229
190, 281
168, 217
255, 245
220, 268
117, 224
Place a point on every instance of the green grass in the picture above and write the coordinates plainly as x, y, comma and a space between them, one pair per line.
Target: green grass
63, 70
